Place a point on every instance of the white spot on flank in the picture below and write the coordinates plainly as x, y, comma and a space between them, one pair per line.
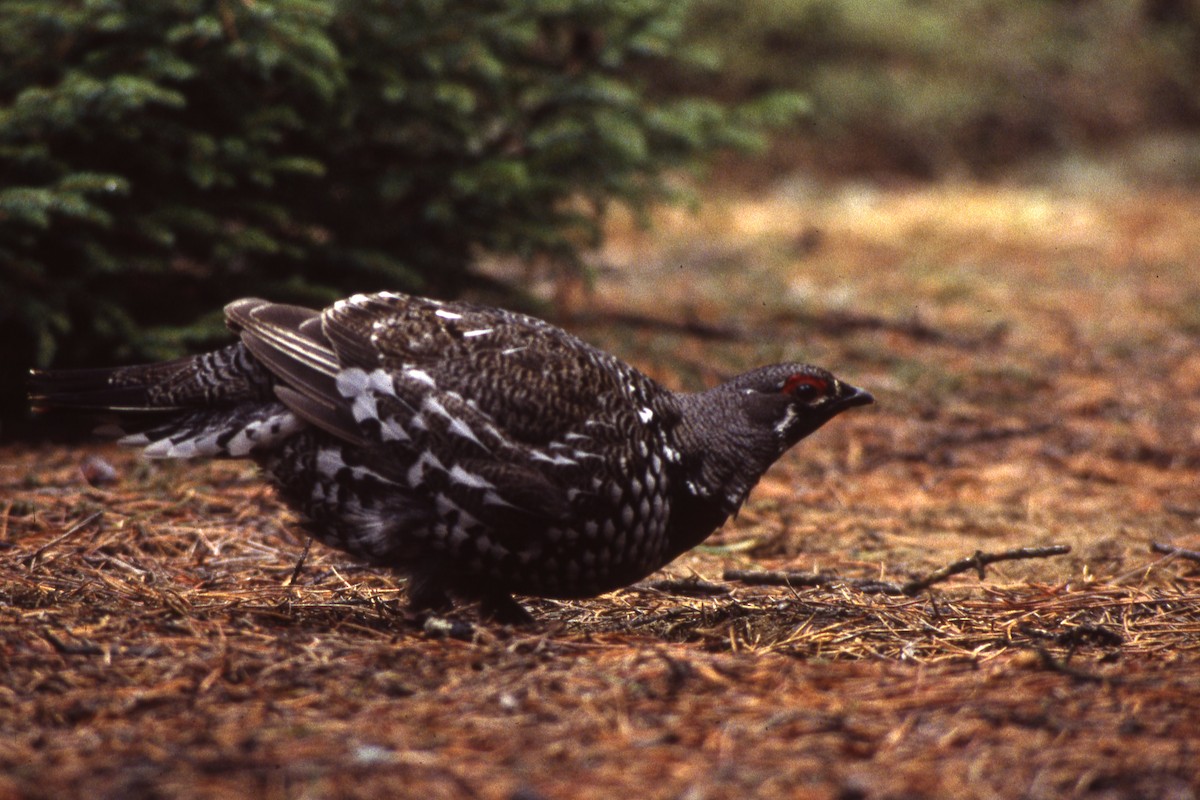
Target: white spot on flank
431, 403
393, 431
445, 506
645, 414
416, 473
460, 475
490, 498
420, 375
508, 351
380, 381
243, 442
447, 314
557, 459
351, 382
364, 407
480, 332
329, 461
459, 427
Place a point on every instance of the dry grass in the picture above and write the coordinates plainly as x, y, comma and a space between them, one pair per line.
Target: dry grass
1036, 360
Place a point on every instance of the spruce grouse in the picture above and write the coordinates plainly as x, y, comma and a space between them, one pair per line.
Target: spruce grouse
478, 451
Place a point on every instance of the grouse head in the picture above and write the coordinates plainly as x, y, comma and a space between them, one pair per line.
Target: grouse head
793, 400
732, 433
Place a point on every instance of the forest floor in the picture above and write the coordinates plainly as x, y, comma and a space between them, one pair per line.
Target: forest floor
1035, 355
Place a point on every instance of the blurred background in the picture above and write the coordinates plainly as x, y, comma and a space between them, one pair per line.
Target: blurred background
160, 159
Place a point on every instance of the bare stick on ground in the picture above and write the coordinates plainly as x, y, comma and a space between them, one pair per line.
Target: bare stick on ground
978, 562
1172, 550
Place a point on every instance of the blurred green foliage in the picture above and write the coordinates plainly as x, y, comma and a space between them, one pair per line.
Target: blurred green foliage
940, 87
158, 159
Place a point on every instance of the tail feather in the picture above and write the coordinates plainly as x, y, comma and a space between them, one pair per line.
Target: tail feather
222, 378
216, 404
106, 389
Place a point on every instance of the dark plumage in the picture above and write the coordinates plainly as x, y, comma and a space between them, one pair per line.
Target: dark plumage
479, 451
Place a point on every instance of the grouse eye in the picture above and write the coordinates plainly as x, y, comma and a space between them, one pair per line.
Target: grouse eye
804, 386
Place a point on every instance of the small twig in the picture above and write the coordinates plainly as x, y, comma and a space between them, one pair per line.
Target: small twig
773, 577
670, 615
78, 526
291, 579
71, 649
978, 562
1182, 511
1172, 550
688, 586
821, 579
1076, 636
1054, 665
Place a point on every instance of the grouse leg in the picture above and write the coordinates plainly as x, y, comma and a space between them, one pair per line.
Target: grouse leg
501, 607
427, 595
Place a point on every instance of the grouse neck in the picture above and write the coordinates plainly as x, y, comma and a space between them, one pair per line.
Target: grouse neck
724, 452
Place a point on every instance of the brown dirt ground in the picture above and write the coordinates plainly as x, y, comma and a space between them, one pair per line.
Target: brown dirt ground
1036, 356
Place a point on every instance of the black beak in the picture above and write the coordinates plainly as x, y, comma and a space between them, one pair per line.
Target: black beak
855, 397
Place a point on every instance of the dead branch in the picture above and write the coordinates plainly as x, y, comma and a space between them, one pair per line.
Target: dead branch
1172, 550
836, 322
36, 555
1076, 636
798, 579
291, 579
688, 586
978, 561
832, 323
1074, 673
